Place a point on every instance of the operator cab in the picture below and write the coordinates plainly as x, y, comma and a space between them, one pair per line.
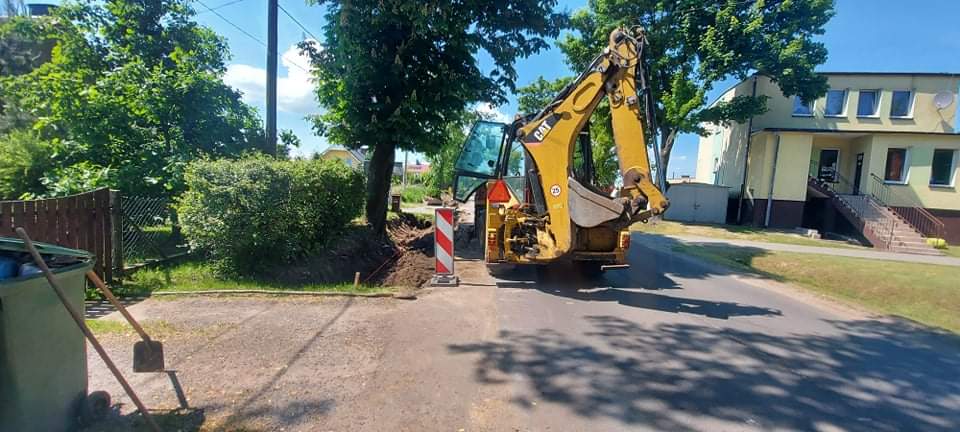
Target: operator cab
490, 154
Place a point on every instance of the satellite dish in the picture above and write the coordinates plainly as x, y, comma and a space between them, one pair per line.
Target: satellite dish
943, 100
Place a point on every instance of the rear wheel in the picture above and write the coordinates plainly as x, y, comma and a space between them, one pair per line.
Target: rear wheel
95, 407
590, 269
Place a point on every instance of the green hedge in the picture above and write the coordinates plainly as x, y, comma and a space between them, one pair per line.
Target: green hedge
414, 194
249, 214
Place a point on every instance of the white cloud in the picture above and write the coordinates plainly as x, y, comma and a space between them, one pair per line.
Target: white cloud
295, 92
491, 112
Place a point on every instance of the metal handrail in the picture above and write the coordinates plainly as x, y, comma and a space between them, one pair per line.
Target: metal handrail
909, 208
861, 205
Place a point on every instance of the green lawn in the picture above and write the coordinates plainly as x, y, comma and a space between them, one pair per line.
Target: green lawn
924, 293
155, 328
953, 251
734, 232
195, 276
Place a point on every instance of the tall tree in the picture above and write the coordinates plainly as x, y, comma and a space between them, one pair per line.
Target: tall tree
134, 88
695, 43
13, 8
396, 73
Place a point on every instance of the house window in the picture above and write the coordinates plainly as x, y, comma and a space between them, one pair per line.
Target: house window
896, 169
867, 103
836, 101
943, 166
829, 162
902, 104
801, 108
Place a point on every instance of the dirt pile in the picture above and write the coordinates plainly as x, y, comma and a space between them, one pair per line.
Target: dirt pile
403, 259
414, 264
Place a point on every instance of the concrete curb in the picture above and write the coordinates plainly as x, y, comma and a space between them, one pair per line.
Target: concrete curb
273, 292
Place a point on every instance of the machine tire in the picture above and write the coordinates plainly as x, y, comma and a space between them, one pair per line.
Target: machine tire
96, 407
590, 269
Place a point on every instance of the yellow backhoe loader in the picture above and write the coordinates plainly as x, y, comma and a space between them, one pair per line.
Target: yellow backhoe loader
541, 207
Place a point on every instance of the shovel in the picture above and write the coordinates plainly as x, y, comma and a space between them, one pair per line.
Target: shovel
78, 318
148, 353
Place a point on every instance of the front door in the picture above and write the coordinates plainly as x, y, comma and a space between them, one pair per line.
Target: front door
857, 173
829, 164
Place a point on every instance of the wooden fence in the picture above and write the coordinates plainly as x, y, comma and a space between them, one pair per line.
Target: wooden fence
83, 221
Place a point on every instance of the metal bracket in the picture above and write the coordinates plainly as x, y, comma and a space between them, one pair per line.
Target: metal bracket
445, 280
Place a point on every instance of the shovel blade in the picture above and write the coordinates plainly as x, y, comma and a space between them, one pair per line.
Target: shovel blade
148, 358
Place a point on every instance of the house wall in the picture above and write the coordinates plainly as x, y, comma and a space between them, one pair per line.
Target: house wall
926, 117
920, 156
919, 134
792, 159
793, 164
722, 152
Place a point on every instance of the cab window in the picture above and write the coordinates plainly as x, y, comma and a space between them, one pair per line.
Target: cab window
482, 149
479, 158
515, 175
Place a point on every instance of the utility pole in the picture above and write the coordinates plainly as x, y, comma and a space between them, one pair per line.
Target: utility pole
404, 175
272, 77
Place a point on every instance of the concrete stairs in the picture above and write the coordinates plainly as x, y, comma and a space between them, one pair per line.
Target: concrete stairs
895, 234
880, 224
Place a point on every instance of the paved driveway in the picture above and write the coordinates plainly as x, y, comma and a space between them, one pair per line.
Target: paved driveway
671, 344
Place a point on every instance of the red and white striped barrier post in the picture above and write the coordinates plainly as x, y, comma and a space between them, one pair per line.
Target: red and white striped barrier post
443, 248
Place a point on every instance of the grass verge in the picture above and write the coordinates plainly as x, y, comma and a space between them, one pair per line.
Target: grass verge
924, 293
102, 326
193, 276
734, 232
953, 251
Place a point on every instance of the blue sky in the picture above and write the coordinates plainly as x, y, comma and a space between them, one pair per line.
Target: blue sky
865, 35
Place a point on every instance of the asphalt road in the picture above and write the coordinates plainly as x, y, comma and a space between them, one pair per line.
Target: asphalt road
675, 344
672, 344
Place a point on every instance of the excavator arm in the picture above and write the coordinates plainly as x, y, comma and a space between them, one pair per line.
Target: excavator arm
558, 213
550, 137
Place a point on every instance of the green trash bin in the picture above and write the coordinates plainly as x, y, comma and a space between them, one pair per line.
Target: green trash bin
43, 360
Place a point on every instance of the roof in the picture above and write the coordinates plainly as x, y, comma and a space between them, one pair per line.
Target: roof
860, 132
846, 73
355, 153
930, 74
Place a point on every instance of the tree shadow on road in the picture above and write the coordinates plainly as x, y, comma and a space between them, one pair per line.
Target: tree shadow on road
864, 376
649, 272
184, 420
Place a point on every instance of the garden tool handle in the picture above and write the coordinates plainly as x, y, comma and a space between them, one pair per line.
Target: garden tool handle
116, 303
38, 260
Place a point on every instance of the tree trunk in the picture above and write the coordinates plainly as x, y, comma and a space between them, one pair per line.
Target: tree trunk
666, 147
378, 185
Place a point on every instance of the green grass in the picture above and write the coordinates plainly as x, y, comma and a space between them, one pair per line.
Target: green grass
924, 293
193, 276
953, 251
102, 326
412, 193
734, 232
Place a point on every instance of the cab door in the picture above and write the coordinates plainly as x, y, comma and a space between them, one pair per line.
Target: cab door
479, 158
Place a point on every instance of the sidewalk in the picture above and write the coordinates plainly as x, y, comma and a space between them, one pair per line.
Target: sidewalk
781, 247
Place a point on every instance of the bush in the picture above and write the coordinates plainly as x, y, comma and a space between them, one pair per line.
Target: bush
24, 160
414, 194
249, 214
937, 243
